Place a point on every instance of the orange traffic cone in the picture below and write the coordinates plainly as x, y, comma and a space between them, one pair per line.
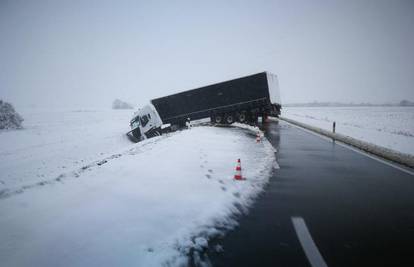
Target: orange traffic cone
238, 174
258, 137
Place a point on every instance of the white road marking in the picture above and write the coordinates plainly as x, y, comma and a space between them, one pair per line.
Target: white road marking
386, 162
308, 245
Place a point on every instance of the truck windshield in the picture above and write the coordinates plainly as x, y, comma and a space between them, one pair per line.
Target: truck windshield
135, 121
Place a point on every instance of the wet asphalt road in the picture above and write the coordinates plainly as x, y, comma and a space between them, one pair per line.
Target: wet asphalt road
359, 211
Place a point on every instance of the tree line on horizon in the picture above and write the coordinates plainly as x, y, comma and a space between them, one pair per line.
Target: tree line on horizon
402, 103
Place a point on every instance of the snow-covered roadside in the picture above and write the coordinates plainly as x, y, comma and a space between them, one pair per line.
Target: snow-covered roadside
390, 127
148, 206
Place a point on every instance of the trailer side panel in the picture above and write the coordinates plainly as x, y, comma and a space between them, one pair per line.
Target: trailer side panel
199, 103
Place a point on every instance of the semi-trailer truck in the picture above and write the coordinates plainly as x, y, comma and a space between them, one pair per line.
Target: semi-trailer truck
243, 100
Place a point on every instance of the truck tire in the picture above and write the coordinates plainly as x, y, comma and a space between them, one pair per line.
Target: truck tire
242, 117
229, 118
218, 119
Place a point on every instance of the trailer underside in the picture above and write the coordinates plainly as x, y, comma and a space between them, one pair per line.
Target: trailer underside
242, 112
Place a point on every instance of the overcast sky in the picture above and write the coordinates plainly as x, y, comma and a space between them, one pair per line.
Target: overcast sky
87, 53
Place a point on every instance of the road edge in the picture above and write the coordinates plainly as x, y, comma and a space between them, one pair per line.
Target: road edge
382, 152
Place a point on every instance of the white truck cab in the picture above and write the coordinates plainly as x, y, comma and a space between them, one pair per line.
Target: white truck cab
146, 123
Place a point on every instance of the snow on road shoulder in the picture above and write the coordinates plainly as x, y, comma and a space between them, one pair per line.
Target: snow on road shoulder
149, 207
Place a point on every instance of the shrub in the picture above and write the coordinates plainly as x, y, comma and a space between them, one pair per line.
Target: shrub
9, 118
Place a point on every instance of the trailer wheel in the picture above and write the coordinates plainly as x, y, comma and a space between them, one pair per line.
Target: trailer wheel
229, 118
218, 119
242, 117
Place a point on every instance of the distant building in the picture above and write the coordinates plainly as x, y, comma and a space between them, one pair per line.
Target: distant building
119, 104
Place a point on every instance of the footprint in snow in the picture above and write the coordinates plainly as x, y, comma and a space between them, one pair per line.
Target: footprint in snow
102, 162
224, 188
236, 194
60, 177
210, 171
208, 176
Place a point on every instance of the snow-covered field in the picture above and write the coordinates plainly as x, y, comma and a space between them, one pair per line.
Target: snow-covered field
391, 127
57, 141
95, 199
